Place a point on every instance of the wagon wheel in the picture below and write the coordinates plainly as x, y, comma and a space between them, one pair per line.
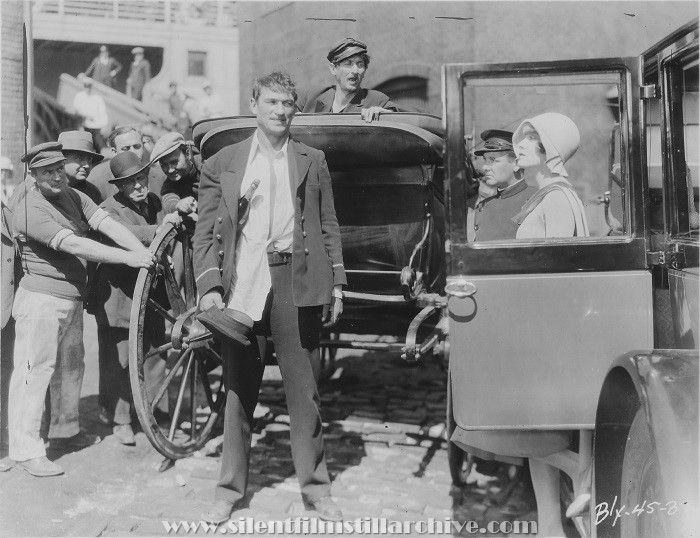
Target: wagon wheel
179, 406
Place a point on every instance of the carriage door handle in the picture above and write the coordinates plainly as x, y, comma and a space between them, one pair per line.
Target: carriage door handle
460, 288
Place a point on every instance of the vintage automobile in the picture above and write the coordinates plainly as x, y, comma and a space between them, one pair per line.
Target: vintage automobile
595, 334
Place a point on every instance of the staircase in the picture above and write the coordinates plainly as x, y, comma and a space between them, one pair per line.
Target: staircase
121, 109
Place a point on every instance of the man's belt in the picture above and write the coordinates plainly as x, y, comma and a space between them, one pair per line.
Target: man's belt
279, 258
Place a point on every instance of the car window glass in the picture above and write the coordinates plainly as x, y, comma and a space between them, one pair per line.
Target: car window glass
652, 127
596, 173
691, 147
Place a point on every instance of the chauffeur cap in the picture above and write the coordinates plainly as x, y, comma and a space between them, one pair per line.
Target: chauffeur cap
137, 50
496, 140
346, 48
126, 165
43, 155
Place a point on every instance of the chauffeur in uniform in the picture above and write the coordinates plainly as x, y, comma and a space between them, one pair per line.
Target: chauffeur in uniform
348, 63
493, 214
285, 271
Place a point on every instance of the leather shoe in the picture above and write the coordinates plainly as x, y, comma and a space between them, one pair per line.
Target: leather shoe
40, 467
124, 434
81, 440
218, 512
325, 508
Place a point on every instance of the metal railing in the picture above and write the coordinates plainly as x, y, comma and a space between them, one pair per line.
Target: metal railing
221, 13
50, 117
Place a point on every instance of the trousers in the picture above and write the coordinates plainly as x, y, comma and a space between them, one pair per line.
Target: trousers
115, 385
295, 335
49, 353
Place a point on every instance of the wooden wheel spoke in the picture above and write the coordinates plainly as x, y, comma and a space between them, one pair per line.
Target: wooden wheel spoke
160, 310
168, 378
193, 398
189, 284
172, 288
180, 397
215, 355
158, 350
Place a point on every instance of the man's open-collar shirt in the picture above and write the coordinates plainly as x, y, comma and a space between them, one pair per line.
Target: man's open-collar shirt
251, 281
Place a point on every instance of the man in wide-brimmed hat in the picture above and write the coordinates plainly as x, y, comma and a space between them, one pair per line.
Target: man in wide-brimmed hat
348, 62
140, 212
50, 224
80, 158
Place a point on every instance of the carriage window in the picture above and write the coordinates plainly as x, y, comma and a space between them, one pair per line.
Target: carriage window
564, 178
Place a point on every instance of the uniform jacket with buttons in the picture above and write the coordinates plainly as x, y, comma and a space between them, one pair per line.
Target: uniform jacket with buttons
492, 216
317, 258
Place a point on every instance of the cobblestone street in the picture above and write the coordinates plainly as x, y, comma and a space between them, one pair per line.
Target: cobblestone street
384, 424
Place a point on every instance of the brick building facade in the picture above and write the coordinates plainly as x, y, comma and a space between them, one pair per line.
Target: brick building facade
12, 92
409, 41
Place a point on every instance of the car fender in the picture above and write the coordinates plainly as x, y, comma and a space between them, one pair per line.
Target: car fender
664, 383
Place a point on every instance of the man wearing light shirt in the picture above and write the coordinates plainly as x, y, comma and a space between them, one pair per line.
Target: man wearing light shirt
285, 271
50, 225
91, 107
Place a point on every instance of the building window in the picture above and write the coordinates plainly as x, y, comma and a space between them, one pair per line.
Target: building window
407, 92
196, 63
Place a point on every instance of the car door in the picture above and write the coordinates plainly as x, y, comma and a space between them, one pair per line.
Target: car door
535, 323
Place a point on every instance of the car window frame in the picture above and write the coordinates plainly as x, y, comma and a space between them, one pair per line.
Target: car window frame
607, 253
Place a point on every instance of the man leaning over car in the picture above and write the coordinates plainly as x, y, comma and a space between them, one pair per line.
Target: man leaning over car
348, 63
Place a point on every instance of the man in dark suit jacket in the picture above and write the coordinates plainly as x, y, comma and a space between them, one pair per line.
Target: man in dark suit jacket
348, 63
493, 212
139, 74
104, 68
139, 211
284, 269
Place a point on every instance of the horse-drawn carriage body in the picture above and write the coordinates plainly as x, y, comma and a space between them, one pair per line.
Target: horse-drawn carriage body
387, 180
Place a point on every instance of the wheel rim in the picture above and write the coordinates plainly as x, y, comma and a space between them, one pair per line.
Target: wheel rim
191, 387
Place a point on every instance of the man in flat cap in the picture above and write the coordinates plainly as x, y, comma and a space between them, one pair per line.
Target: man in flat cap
50, 224
104, 68
139, 74
348, 63
140, 212
492, 214
181, 167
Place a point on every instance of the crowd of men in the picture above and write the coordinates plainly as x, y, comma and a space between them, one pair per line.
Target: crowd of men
80, 226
